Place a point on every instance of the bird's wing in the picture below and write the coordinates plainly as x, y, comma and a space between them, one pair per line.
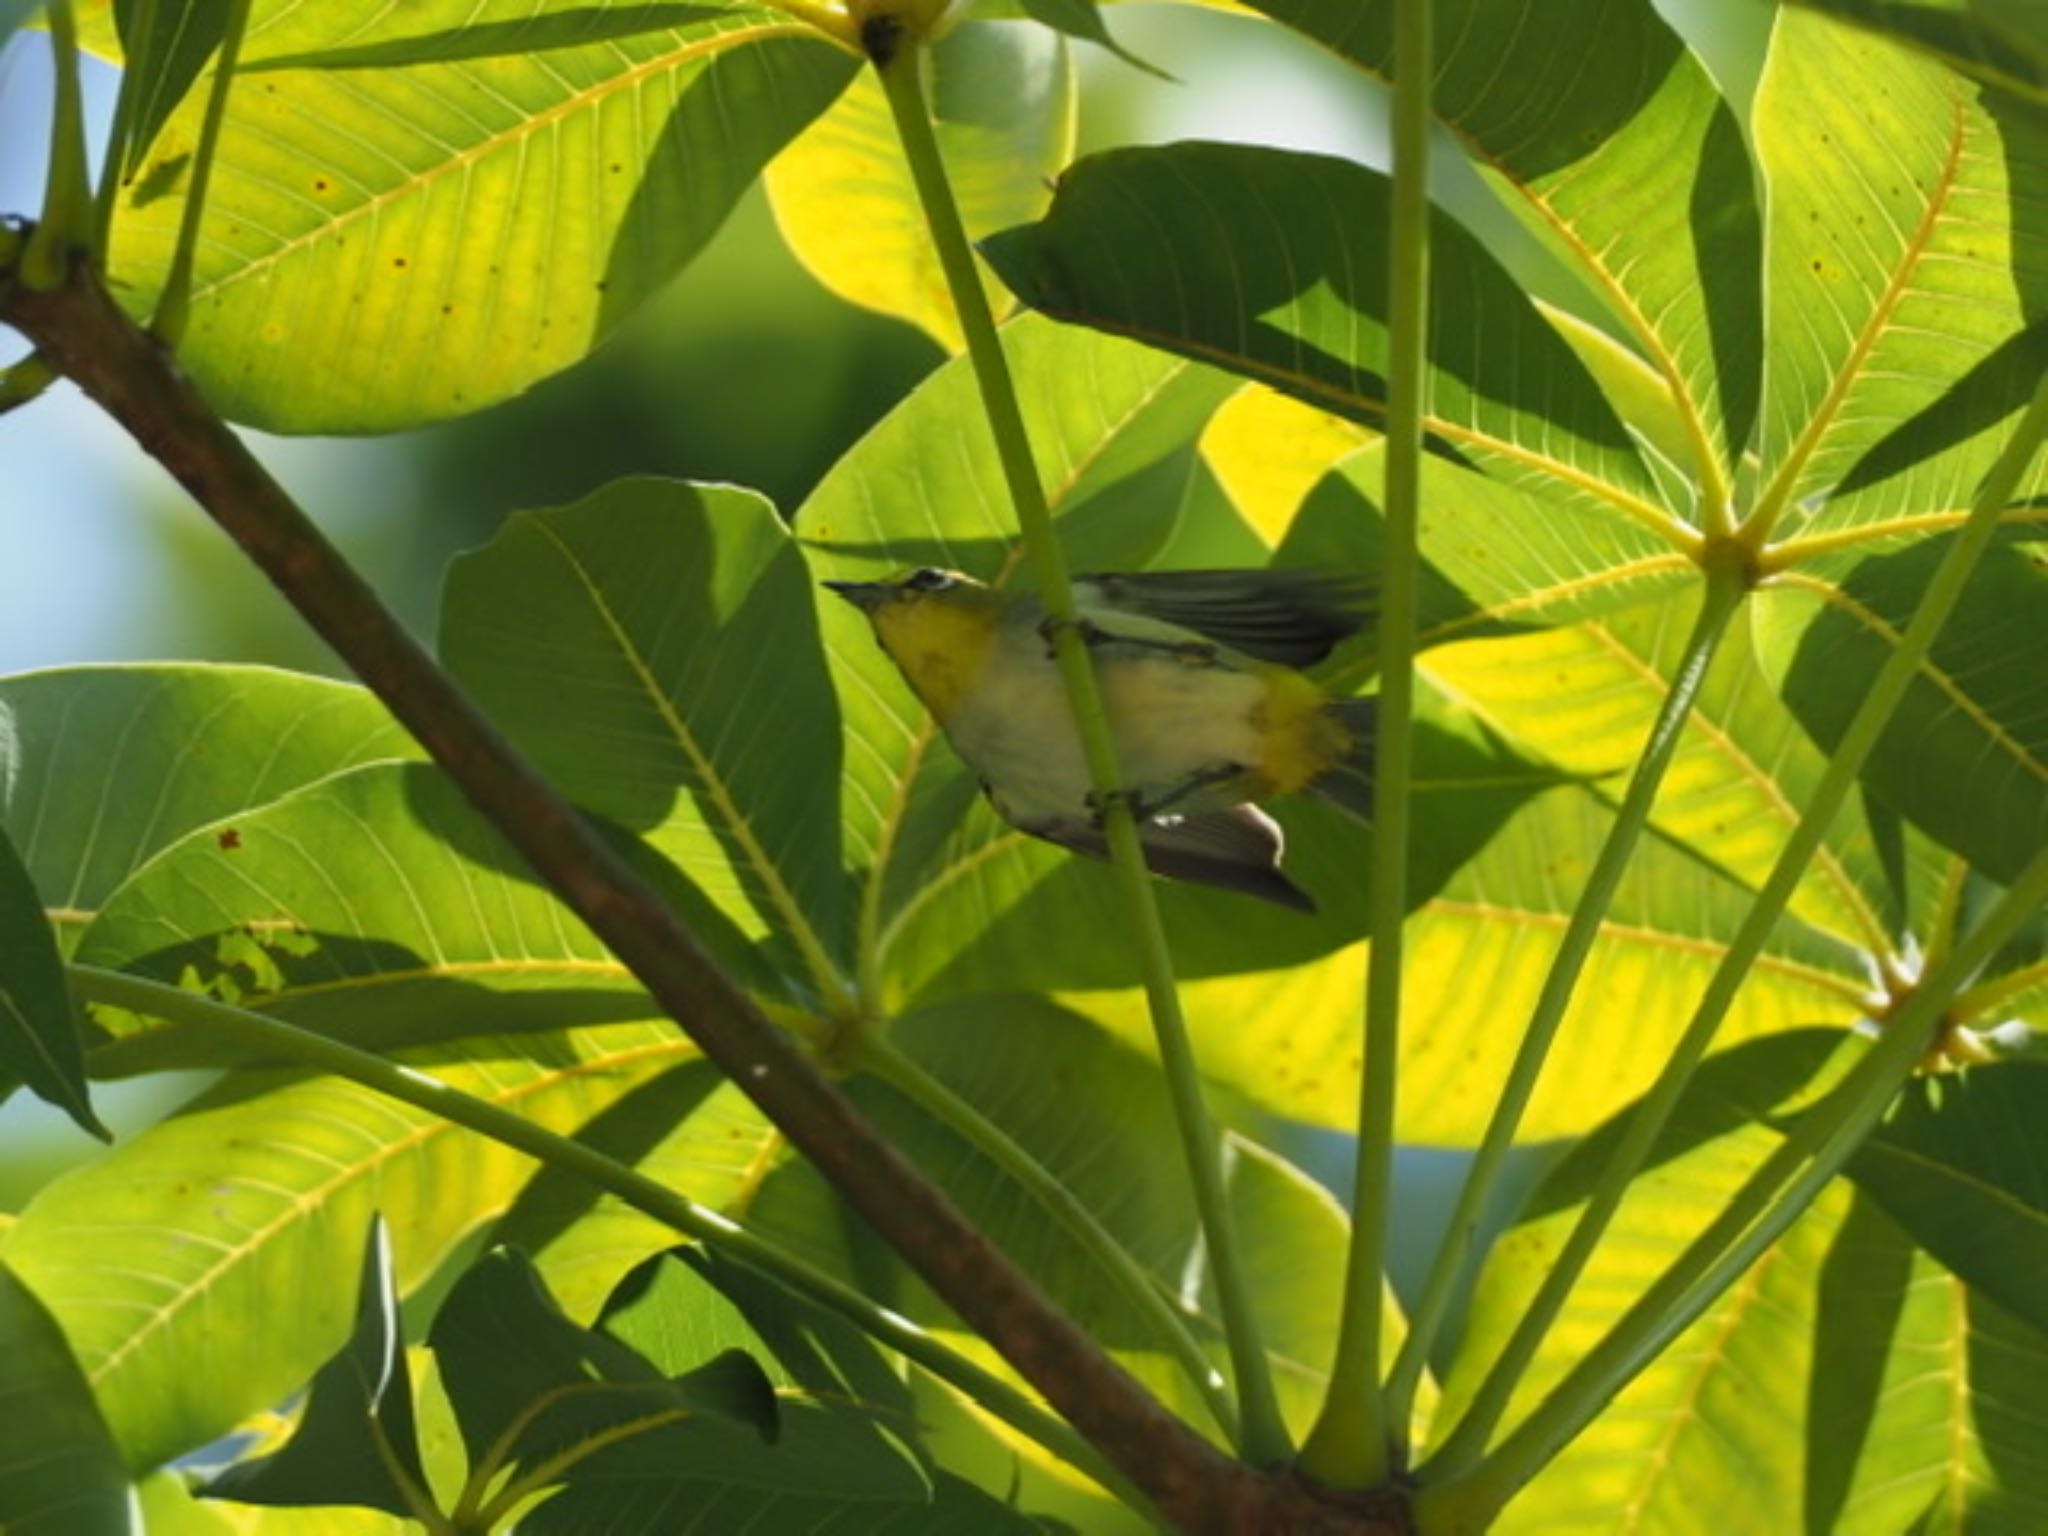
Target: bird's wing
1291, 617
1234, 850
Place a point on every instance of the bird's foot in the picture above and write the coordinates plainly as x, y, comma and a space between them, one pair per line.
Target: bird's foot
1049, 629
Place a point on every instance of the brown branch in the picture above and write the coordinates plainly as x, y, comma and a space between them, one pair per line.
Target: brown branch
84, 335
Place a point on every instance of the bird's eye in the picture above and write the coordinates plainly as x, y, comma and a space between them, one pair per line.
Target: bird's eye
928, 579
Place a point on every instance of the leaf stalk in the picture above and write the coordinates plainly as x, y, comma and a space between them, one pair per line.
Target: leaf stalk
1351, 1445
1467, 1442
1726, 587
1823, 1140
276, 1039
66, 225
1263, 1439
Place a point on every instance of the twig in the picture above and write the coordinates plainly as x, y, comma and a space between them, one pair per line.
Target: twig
85, 336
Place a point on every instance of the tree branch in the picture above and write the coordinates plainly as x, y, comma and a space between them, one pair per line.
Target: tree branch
81, 332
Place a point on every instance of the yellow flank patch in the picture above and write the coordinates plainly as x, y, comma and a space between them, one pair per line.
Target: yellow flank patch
941, 647
1302, 738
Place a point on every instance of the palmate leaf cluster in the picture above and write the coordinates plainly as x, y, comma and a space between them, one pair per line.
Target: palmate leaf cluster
1817, 313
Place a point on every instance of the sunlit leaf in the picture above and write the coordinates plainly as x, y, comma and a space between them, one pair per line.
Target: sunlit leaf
1477, 953
61, 1474
1586, 697
2000, 42
688, 1129
1922, 1413
956, 1508
1095, 1114
1708, 1438
416, 211
170, 1508
1496, 560
375, 905
250, 1206
1269, 450
1906, 276
1003, 105
1083, 19
102, 767
1603, 131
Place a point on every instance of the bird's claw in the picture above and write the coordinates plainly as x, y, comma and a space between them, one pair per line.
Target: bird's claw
1049, 629
1099, 805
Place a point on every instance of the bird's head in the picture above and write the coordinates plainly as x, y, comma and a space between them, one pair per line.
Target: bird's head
936, 625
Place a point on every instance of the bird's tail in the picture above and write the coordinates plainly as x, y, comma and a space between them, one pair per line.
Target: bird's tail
1347, 783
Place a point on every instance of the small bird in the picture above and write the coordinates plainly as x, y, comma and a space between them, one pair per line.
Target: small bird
1200, 677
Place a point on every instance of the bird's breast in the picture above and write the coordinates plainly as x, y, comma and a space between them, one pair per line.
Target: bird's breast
1173, 718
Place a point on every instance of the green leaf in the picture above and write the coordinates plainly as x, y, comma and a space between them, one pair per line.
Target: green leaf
687, 1128
454, 209
1496, 560
161, 64
1965, 757
1961, 1163
1721, 1409
251, 1204
375, 905
355, 1437
1906, 278
1924, 1413
956, 1508
102, 767
1585, 697
1478, 950
170, 1508
530, 1388
1843, 1384
61, 1475
655, 647
1083, 19
847, 1425
1003, 103
1999, 42
1274, 264
358, 35
1608, 137
39, 1039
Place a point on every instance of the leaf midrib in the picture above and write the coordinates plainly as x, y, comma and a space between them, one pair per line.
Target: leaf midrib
1940, 678
1731, 751
796, 923
1351, 403
1771, 503
1652, 938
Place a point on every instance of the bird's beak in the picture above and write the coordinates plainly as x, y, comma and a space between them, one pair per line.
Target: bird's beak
867, 596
